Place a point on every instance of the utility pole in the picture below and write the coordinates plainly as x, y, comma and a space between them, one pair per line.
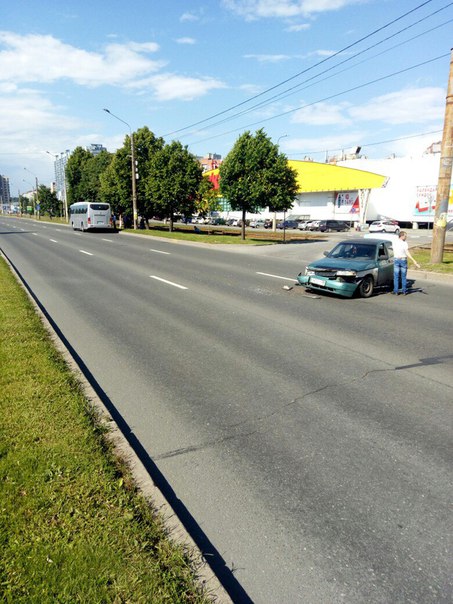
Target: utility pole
444, 182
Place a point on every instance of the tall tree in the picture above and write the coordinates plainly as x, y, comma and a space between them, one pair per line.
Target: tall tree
173, 180
116, 180
255, 175
48, 202
75, 174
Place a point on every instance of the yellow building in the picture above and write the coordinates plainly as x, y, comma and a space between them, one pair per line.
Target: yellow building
328, 191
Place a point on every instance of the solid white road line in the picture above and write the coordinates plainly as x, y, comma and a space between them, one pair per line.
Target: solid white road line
109, 240
159, 252
84, 252
168, 282
277, 276
53, 240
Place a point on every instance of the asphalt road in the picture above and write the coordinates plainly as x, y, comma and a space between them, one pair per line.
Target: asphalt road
305, 441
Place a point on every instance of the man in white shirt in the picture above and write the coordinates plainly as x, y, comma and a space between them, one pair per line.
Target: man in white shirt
401, 254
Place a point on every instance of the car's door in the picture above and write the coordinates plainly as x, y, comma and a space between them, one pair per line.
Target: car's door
385, 264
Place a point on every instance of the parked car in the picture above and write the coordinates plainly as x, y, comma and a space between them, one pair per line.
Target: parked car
268, 223
302, 226
384, 226
287, 224
332, 225
313, 225
355, 265
257, 224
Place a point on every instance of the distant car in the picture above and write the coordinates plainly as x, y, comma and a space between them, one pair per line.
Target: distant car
353, 266
313, 225
332, 225
257, 224
268, 223
384, 226
302, 226
287, 224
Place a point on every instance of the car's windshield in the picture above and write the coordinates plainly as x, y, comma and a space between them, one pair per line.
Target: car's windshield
358, 251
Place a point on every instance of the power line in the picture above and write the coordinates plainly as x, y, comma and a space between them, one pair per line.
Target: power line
301, 72
364, 145
328, 98
290, 91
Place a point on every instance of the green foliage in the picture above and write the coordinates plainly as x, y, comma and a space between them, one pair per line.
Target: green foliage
48, 202
254, 175
116, 181
75, 174
24, 202
173, 181
207, 199
83, 172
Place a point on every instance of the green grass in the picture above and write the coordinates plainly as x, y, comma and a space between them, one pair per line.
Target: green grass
423, 257
218, 234
73, 528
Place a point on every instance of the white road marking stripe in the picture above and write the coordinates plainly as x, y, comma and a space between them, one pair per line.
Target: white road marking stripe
53, 240
168, 282
159, 251
277, 276
84, 252
109, 240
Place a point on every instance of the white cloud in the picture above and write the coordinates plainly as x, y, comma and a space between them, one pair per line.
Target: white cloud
186, 41
412, 105
268, 58
188, 17
167, 87
298, 27
322, 114
283, 9
45, 59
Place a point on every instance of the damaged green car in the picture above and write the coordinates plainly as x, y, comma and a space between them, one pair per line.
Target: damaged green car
355, 266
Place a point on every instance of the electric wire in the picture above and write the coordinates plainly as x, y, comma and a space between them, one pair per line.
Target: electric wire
328, 98
301, 72
365, 145
291, 91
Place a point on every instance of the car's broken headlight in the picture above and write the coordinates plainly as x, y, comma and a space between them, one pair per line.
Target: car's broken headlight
309, 272
346, 274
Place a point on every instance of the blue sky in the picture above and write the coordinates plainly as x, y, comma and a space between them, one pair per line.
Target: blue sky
312, 73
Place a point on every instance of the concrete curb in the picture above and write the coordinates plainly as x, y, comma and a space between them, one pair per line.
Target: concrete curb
124, 451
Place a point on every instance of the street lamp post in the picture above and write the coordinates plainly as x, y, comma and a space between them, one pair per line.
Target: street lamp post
133, 168
37, 194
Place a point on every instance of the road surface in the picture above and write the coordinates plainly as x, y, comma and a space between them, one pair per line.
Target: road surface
305, 441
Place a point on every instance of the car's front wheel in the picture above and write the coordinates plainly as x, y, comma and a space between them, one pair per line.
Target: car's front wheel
366, 287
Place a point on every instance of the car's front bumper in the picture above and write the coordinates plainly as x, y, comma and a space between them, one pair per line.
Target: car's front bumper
324, 284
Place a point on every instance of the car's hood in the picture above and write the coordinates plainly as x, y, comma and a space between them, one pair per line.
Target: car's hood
342, 264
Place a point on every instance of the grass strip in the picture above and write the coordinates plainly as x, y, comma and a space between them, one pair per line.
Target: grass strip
423, 257
73, 528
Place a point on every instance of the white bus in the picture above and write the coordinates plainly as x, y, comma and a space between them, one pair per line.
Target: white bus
85, 216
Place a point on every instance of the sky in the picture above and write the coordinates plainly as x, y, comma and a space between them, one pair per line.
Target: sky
319, 76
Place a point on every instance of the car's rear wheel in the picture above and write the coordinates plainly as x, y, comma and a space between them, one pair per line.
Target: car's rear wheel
366, 287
